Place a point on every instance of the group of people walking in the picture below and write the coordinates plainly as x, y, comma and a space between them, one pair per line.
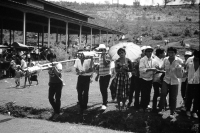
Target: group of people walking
162, 71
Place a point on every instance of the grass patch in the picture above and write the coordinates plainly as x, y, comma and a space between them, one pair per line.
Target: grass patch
129, 120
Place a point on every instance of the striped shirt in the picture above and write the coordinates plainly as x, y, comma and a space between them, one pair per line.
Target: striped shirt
103, 70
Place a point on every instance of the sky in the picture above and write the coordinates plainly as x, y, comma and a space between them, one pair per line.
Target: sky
127, 2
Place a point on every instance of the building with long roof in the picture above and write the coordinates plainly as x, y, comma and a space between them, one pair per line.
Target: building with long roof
41, 16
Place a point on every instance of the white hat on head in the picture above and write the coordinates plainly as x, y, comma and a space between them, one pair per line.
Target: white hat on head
101, 46
59, 66
188, 53
158, 46
143, 47
149, 47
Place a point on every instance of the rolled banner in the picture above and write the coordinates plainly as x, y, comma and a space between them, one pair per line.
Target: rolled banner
87, 53
35, 69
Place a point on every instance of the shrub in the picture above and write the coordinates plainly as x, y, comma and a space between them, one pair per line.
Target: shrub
145, 34
196, 32
187, 32
157, 37
170, 13
61, 54
165, 34
176, 32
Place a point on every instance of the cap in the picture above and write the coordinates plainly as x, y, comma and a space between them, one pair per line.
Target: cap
143, 47
149, 48
188, 53
59, 66
101, 46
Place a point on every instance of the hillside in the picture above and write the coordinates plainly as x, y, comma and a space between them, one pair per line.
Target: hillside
153, 22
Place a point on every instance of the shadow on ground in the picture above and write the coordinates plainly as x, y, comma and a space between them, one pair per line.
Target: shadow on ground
127, 120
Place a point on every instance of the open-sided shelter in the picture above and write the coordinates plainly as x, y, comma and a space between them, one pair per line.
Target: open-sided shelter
41, 16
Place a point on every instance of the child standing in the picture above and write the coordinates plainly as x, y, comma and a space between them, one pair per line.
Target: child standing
18, 75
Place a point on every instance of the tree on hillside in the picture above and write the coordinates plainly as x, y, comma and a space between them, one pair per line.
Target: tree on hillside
192, 1
166, 1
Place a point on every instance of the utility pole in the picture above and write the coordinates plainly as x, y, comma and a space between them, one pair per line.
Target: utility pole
117, 3
152, 2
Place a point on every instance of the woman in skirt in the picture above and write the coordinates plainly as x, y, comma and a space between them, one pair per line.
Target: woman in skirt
122, 81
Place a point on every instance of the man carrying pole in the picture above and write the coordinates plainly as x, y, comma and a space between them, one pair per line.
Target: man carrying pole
55, 86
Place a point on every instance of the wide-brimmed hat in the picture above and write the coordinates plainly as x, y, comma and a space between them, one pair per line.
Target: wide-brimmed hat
149, 48
101, 46
143, 48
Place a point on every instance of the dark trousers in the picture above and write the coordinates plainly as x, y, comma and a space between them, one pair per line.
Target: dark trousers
103, 83
183, 89
192, 94
55, 89
137, 85
173, 92
156, 87
132, 88
12, 72
113, 89
83, 85
145, 93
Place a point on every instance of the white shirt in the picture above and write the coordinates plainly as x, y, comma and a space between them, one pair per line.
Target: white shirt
158, 62
112, 69
170, 74
145, 64
83, 67
23, 64
193, 76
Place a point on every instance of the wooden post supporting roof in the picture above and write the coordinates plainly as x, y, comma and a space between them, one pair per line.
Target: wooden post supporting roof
99, 36
42, 36
49, 28
10, 36
66, 36
80, 36
112, 39
86, 38
56, 35
107, 39
24, 28
1, 41
13, 35
91, 37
